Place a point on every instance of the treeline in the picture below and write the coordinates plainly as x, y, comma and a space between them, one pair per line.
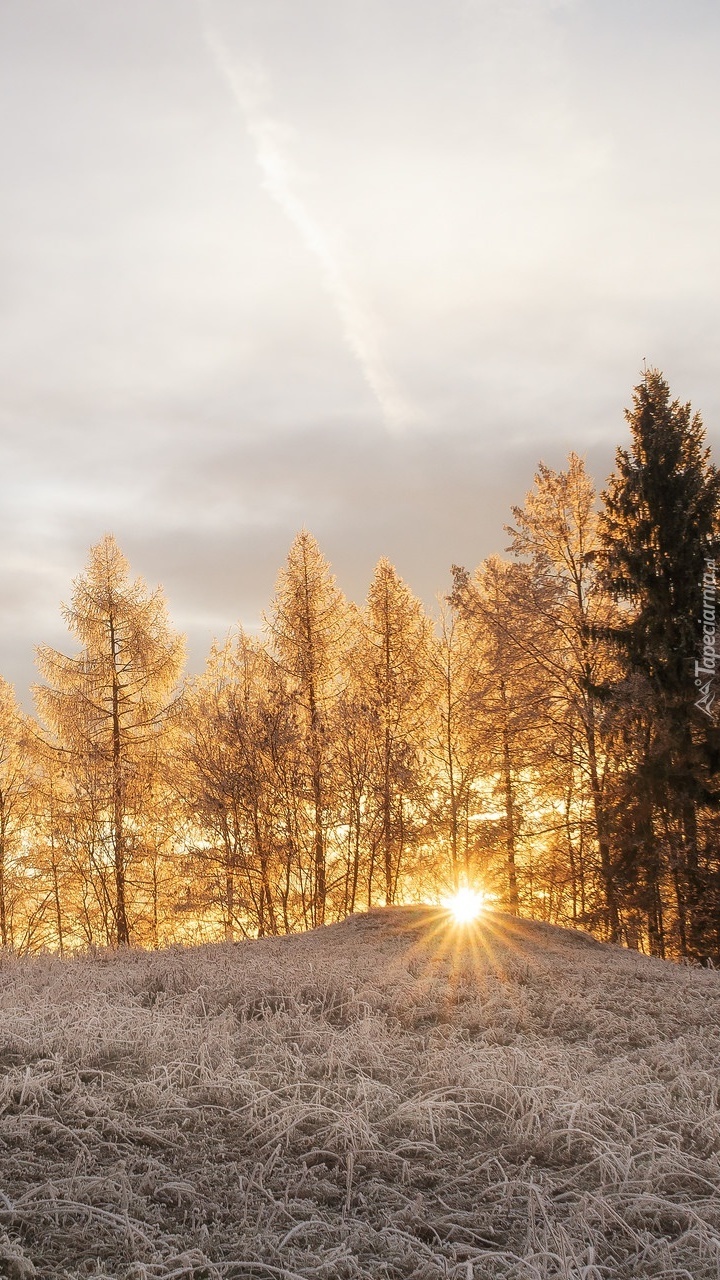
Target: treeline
549, 737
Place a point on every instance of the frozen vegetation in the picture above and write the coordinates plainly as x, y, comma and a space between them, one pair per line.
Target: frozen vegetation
387, 1097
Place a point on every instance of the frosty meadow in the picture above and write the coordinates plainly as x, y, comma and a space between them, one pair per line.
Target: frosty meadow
359, 716
414, 1092
394, 1096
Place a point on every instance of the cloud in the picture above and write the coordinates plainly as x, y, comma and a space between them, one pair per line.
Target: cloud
360, 327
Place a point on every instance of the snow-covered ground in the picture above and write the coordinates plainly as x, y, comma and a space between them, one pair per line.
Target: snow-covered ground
387, 1097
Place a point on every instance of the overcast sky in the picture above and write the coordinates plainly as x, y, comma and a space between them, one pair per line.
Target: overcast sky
349, 264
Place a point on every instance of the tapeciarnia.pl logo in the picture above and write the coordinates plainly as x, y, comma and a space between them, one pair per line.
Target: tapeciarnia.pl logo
705, 669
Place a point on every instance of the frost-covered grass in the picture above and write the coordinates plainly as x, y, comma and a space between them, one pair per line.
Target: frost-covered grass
388, 1097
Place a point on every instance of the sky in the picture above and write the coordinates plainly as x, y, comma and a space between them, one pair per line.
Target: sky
349, 265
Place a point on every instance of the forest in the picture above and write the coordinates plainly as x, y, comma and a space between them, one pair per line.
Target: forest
548, 738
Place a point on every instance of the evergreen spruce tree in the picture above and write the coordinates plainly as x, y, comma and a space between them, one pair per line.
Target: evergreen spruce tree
658, 531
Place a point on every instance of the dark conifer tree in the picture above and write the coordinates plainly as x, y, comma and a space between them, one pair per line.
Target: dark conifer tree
659, 532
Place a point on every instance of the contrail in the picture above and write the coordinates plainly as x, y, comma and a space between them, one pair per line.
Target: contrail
249, 88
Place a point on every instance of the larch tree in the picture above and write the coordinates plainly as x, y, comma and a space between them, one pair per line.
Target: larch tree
52, 869
105, 708
659, 532
455, 741
556, 535
512, 711
397, 665
355, 741
308, 629
236, 721
16, 796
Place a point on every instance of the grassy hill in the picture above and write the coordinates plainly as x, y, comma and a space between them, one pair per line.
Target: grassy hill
388, 1097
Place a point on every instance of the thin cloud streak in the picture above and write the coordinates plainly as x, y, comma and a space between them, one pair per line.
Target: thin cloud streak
249, 87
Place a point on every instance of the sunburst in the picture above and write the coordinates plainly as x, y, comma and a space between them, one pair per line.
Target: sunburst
465, 905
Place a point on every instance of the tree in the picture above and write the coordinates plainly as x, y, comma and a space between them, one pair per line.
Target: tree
105, 709
659, 533
355, 754
396, 664
236, 724
510, 703
456, 742
308, 630
16, 795
557, 537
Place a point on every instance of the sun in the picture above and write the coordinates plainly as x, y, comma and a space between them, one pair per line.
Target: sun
465, 905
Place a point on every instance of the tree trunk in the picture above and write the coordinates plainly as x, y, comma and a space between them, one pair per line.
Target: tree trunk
3, 902
510, 835
123, 931
387, 826
698, 921
606, 871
